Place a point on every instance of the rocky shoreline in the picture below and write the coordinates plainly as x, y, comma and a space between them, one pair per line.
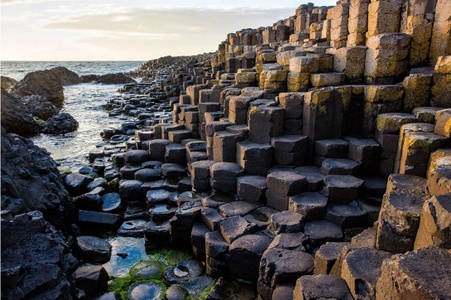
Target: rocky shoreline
309, 154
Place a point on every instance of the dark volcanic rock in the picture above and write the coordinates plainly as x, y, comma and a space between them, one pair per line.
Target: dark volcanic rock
47, 83
93, 249
60, 124
16, 118
39, 107
91, 279
36, 261
26, 168
118, 78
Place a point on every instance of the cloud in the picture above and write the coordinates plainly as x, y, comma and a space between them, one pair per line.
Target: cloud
27, 1
171, 21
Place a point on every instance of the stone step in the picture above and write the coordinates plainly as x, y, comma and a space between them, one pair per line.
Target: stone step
309, 287
327, 79
420, 274
254, 158
435, 222
398, 221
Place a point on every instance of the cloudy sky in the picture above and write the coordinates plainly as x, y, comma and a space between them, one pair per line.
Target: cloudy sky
128, 29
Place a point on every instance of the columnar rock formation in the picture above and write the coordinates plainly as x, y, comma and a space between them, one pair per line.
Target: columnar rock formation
326, 104
314, 152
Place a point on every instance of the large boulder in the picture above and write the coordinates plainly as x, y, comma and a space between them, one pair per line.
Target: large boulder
16, 118
60, 124
118, 78
47, 83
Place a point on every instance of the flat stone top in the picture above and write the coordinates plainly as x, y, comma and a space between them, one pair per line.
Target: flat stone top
92, 243
365, 263
253, 180
310, 199
288, 138
256, 243
422, 139
236, 208
159, 141
332, 142
287, 217
226, 166
287, 261
289, 241
331, 250
407, 203
323, 287
429, 268
288, 176
362, 142
322, 229
342, 181
351, 209
311, 173
202, 164
251, 145
406, 182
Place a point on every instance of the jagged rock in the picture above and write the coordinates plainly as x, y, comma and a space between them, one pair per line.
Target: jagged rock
279, 266
60, 124
244, 256
26, 168
47, 83
37, 262
361, 269
118, 78
39, 107
435, 223
420, 274
312, 287
326, 256
13, 113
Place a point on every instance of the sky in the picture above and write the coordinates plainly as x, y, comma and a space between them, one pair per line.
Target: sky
140, 30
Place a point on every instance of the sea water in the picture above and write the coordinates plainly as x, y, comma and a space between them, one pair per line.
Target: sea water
83, 101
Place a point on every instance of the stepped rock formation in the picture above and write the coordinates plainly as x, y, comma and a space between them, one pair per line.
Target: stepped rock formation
318, 145
313, 116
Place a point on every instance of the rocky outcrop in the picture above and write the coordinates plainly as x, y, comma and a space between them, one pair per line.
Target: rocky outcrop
117, 78
36, 210
39, 107
16, 118
30, 181
48, 84
39, 96
60, 124
7, 82
36, 260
